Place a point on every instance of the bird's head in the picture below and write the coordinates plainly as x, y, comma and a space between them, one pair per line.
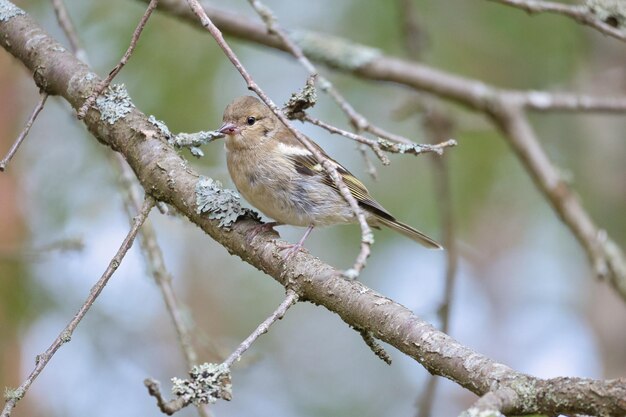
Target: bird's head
247, 123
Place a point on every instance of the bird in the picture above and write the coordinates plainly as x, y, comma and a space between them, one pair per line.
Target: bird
279, 176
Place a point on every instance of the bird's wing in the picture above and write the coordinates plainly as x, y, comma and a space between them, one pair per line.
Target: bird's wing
306, 164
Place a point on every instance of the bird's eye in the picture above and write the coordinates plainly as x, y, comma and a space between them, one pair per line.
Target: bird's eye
251, 120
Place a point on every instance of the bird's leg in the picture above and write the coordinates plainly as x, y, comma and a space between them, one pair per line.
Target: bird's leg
261, 228
291, 248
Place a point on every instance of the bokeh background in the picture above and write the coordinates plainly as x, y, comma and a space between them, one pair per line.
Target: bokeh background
524, 295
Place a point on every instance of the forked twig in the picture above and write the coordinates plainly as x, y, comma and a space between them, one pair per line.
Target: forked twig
209, 382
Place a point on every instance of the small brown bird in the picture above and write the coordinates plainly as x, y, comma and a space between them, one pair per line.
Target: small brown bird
280, 177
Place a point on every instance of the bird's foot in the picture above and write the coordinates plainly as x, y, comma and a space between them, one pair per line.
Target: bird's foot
262, 228
289, 249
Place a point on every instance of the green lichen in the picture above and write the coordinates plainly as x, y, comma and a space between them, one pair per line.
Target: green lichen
114, 104
221, 204
11, 393
66, 336
9, 10
208, 382
334, 51
612, 12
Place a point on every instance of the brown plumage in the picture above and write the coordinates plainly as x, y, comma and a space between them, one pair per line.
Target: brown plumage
281, 178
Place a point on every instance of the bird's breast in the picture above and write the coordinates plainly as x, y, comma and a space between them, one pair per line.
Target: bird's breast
272, 185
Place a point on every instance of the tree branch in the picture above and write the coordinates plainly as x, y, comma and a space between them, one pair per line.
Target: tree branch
605, 257
368, 63
601, 20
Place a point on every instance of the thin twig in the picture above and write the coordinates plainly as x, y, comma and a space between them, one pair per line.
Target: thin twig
358, 138
66, 335
131, 48
156, 266
372, 343
290, 299
358, 121
63, 245
380, 145
581, 13
367, 237
195, 389
155, 261
64, 20
369, 165
438, 126
167, 407
22, 136
413, 35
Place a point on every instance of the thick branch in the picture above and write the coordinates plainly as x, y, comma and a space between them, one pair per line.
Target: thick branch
604, 255
369, 63
166, 176
582, 14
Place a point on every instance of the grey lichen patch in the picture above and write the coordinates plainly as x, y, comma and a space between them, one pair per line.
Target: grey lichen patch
302, 100
413, 148
9, 10
161, 126
208, 382
351, 274
334, 51
81, 84
194, 140
114, 104
66, 336
475, 412
221, 204
611, 12
13, 394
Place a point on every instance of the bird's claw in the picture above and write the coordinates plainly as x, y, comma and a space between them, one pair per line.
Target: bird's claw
261, 228
289, 249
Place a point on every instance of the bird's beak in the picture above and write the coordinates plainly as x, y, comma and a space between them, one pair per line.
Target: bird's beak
227, 129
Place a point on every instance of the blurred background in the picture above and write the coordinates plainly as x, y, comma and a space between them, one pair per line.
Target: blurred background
524, 295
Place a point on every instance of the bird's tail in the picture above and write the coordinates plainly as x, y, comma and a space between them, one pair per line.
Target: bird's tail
409, 232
